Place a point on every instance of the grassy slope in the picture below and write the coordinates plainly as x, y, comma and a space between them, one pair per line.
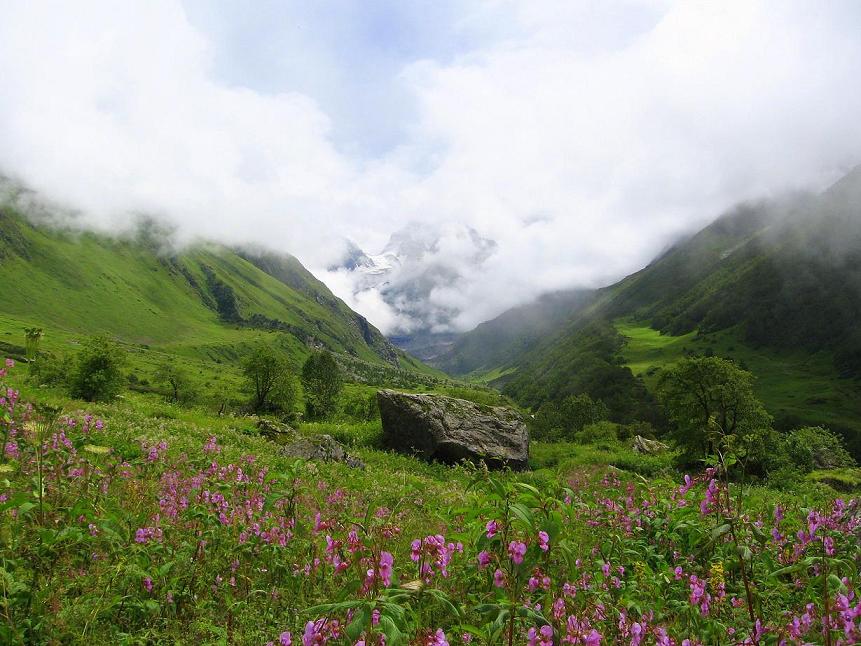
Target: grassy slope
794, 385
80, 284
775, 286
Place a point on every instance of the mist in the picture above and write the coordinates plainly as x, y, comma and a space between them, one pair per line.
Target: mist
581, 138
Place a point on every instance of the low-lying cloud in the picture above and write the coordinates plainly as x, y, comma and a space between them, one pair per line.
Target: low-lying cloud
580, 137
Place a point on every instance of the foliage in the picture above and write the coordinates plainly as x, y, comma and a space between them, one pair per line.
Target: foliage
176, 378
554, 421
268, 378
815, 447
184, 535
589, 362
700, 393
321, 383
50, 370
97, 374
32, 337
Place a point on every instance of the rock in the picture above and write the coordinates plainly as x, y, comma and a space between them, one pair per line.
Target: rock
321, 447
275, 431
648, 447
441, 428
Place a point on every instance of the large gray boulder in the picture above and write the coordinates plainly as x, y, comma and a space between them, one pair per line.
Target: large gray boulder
441, 428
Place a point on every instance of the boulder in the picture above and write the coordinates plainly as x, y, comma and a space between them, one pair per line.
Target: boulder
648, 447
324, 448
446, 429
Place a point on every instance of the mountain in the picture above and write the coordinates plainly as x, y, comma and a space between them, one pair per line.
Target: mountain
203, 300
503, 340
774, 285
417, 263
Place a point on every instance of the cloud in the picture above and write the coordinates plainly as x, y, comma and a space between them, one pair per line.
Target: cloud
581, 137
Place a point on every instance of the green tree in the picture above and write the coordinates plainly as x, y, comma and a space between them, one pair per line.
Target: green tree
177, 379
97, 374
710, 400
322, 384
268, 378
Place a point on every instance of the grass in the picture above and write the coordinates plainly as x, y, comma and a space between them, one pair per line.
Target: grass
793, 385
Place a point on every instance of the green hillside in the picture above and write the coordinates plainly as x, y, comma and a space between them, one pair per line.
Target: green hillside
775, 286
204, 302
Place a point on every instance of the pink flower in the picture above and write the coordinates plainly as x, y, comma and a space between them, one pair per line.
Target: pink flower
492, 527
437, 639
147, 584
499, 578
543, 541
285, 639
386, 561
517, 550
483, 559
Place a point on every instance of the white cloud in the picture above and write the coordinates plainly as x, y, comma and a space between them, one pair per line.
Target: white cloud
581, 139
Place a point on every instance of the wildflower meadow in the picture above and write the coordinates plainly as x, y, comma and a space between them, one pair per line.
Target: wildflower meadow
120, 531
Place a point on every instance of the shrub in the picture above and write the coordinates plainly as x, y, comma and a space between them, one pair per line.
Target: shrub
177, 380
815, 447
97, 374
50, 370
598, 432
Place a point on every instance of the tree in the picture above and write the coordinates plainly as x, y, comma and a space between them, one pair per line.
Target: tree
267, 375
322, 384
708, 398
97, 373
176, 378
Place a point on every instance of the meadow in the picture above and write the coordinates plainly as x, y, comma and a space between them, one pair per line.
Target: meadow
140, 521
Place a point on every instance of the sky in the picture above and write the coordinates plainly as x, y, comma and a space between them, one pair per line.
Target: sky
580, 137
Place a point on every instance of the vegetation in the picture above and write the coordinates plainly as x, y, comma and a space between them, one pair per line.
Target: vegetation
149, 524
562, 421
97, 375
321, 383
702, 393
268, 379
177, 379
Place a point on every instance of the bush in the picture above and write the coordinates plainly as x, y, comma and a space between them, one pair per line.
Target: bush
178, 382
814, 447
360, 406
97, 374
50, 370
564, 420
598, 432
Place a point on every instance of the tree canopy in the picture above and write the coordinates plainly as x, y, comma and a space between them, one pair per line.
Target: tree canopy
710, 397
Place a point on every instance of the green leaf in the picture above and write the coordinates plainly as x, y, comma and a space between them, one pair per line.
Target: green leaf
523, 513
